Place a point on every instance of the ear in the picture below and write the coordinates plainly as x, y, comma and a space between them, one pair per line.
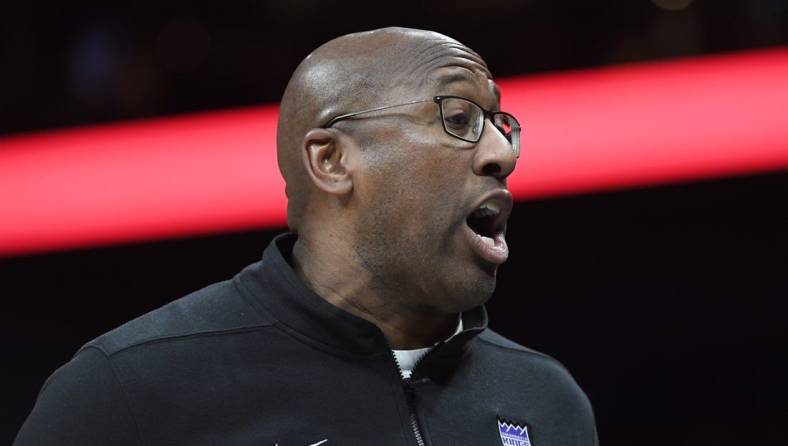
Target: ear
325, 160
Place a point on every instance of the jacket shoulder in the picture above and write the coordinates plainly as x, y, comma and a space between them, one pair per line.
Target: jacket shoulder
495, 339
521, 367
539, 366
215, 309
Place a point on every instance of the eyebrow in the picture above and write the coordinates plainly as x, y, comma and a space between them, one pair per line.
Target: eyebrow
456, 76
497, 93
459, 76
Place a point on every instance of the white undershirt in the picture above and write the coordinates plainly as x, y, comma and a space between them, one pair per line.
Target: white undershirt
408, 358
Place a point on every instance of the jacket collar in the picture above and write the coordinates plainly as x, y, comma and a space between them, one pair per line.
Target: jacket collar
274, 286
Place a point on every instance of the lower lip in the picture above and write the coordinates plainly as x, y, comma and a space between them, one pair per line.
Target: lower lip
497, 253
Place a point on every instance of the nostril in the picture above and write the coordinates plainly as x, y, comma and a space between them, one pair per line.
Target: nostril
491, 169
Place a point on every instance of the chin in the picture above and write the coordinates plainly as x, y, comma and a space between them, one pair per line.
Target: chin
472, 290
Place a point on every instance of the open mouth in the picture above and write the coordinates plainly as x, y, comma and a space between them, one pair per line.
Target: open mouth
486, 226
485, 221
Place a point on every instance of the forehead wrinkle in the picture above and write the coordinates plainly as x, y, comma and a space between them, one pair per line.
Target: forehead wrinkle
427, 49
454, 45
459, 55
461, 75
457, 60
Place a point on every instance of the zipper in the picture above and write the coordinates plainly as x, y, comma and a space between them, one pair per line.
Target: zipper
414, 421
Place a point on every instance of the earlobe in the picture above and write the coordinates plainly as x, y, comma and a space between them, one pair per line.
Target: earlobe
325, 160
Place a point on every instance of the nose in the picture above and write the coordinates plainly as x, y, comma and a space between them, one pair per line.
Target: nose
494, 155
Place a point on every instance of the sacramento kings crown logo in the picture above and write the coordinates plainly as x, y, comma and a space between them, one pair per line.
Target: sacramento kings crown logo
513, 434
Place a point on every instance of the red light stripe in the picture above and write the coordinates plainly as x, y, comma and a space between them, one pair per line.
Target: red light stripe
590, 130
651, 123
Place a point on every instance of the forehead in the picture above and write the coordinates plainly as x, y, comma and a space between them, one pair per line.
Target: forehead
462, 80
443, 64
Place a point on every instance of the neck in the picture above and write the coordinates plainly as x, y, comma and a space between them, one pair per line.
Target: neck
332, 272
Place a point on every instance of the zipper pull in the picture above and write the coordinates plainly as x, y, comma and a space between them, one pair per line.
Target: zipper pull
415, 380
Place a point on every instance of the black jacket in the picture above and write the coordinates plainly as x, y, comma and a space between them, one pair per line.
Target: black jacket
261, 360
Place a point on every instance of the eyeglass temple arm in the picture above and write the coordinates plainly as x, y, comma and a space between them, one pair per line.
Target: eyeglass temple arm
385, 107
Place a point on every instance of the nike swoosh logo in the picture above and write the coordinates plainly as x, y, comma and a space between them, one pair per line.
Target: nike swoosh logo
313, 444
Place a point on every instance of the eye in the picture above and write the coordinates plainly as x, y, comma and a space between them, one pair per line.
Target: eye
462, 118
457, 119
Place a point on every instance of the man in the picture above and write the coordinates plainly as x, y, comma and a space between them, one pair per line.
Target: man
365, 324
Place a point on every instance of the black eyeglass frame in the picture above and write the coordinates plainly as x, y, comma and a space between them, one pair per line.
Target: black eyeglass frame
488, 114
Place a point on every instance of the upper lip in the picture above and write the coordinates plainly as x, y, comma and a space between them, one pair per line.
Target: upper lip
500, 197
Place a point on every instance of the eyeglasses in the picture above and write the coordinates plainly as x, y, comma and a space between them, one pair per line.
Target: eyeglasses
461, 118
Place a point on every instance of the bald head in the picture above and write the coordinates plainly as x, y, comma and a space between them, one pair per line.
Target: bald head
352, 73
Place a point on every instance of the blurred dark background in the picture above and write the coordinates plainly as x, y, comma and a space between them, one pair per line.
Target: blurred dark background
64, 63
668, 304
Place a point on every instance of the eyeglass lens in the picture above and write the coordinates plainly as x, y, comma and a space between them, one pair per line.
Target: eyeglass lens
462, 119
465, 120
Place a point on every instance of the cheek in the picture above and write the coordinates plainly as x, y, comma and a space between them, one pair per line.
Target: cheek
413, 185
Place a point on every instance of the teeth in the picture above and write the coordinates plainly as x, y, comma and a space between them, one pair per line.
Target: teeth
491, 206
